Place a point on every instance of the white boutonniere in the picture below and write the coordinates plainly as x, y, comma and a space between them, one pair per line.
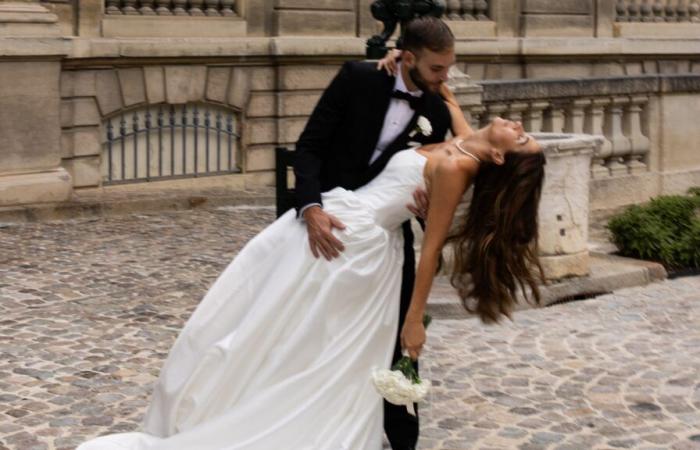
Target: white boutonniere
423, 127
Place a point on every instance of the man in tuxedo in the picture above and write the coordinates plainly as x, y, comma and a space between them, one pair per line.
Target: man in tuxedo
363, 118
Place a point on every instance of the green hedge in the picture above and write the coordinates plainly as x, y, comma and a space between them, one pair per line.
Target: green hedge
666, 230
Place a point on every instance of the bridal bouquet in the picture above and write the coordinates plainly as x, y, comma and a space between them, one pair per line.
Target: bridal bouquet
401, 385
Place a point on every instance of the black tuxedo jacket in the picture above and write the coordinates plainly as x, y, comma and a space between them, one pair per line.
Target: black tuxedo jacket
340, 137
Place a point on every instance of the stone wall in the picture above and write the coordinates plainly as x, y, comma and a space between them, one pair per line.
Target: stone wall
269, 61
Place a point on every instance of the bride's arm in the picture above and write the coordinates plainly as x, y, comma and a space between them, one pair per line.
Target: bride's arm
460, 126
448, 183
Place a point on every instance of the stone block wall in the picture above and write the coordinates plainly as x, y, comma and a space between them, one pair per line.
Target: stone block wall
545, 18
89, 96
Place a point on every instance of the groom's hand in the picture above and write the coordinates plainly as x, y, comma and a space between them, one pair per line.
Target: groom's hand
320, 226
421, 202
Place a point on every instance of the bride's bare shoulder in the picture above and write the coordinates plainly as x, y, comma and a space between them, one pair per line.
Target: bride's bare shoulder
449, 172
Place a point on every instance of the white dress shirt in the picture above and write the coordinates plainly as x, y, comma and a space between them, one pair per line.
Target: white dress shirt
397, 116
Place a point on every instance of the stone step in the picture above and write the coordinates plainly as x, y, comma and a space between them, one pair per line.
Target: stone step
608, 273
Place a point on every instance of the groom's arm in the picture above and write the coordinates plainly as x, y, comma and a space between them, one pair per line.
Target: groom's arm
315, 141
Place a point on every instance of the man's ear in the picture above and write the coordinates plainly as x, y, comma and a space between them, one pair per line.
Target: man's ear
409, 58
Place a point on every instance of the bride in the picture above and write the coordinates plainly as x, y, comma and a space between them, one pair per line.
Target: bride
278, 354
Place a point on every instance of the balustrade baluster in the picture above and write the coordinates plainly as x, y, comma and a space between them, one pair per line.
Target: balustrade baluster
639, 143
481, 9
621, 11
516, 111
554, 118
694, 11
682, 11
452, 10
179, 7
593, 124
670, 11
228, 8
146, 8
646, 12
163, 8
534, 116
212, 7
575, 116
621, 145
130, 7
492, 111
658, 9
468, 9
113, 7
196, 8
633, 11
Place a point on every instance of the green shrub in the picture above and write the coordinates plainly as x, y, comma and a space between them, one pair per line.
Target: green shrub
666, 230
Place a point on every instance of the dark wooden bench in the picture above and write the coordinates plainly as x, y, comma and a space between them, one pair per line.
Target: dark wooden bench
284, 159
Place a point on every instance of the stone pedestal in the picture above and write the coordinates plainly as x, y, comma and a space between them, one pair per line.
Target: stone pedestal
564, 206
30, 153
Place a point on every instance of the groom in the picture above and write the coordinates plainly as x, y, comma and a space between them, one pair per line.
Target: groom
361, 120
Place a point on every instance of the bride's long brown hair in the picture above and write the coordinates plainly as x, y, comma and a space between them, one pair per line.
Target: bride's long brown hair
495, 250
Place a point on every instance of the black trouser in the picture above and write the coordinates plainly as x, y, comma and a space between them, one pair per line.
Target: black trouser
401, 427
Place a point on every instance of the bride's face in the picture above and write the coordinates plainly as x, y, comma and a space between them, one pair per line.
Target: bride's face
510, 136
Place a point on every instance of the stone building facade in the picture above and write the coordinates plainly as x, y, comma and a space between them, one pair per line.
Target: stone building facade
95, 93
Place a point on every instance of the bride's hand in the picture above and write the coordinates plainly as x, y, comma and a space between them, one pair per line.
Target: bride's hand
388, 63
413, 337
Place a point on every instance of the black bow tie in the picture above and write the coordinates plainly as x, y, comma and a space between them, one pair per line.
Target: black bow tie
413, 101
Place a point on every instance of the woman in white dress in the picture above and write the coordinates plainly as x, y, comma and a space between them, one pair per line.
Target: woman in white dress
279, 353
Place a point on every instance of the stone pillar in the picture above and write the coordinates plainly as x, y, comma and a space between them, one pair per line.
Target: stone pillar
30, 131
605, 17
506, 14
90, 14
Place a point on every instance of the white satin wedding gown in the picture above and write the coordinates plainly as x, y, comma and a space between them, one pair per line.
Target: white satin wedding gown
279, 353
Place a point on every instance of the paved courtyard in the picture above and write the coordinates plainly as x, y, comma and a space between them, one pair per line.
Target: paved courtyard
89, 309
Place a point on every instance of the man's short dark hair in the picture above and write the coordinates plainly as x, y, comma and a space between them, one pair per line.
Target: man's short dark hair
427, 32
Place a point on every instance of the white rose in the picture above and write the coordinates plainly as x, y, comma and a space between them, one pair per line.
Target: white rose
426, 129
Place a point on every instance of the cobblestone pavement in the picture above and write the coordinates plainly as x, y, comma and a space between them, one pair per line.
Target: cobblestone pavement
89, 309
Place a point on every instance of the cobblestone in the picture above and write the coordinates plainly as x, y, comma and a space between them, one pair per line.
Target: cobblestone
90, 307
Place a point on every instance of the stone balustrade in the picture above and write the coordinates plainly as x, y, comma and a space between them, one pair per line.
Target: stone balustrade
467, 10
657, 11
610, 107
213, 8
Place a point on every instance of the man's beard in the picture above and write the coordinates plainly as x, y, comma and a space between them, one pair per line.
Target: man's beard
420, 82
